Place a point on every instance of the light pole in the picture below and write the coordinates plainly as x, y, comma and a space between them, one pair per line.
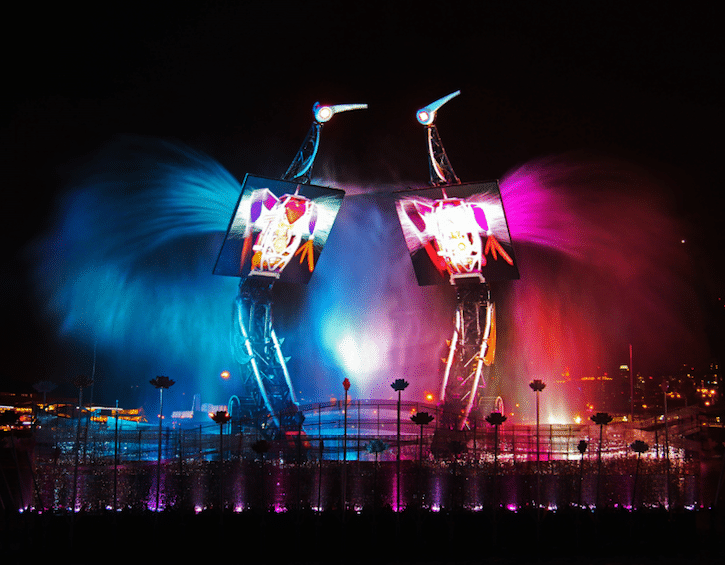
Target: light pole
115, 461
495, 419
160, 383
398, 385
80, 382
639, 447
537, 385
421, 419
665, 386
582, 447
601, 419
221, 417
45, 387
375, 446
346, 386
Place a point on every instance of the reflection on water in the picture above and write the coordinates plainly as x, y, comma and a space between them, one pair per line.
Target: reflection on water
246, 484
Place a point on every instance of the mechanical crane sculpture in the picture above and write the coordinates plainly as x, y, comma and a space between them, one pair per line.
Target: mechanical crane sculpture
276, 233
457, 234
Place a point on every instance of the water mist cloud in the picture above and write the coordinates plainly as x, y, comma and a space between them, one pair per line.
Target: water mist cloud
128, 266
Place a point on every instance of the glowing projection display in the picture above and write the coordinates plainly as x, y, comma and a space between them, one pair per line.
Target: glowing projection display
278, 230
457, 232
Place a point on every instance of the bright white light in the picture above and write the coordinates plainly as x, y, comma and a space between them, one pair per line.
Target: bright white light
558, 419
323, 114
359, 356
424, 117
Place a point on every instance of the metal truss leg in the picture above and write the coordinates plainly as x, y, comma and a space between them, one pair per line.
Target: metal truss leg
267, 395
470, 354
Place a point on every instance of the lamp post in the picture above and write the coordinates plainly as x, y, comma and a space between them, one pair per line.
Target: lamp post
160, 383
665, 386
601, 419
639, 447
45, 387
537, 385
299, 419
495, 419
80, 382
376, 446
421, 419
582, 447
398, 385
115, 460
221, 417
346, 386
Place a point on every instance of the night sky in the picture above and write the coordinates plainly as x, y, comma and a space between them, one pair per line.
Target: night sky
237, 82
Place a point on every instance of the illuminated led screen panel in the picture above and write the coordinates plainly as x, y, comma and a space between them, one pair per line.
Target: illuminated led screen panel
457, 233
278, 230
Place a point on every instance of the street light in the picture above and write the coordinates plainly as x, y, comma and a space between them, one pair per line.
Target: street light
537, 385
601, 419
346, 386
639, 447
421, 419
221, 417
398, 385
582, 447
81, 382
665, 386
495, 419
160, 383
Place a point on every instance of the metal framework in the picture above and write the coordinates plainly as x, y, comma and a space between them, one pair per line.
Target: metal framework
472, 346
267, 398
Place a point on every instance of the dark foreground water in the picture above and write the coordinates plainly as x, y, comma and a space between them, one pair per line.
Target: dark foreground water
382, 536
244, 485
